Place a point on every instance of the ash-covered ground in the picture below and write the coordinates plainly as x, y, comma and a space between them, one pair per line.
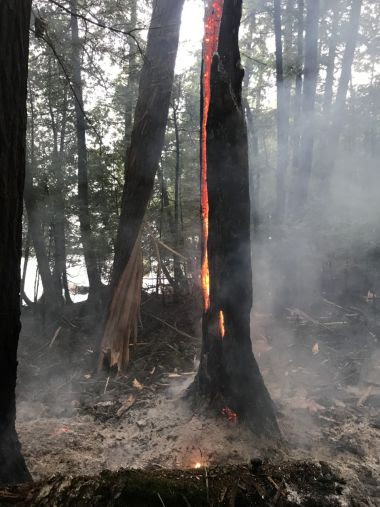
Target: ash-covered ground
321, 363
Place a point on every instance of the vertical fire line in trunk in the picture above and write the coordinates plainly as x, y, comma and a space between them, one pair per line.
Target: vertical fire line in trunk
228, 381
210, 45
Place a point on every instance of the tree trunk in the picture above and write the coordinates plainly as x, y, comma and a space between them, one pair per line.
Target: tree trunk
329, 83
331, 144
131, 88
178, 274
14, 43
51, 298
311, 68
282, 114
147, 141
59, 134
228, 379
296, 135
83, 190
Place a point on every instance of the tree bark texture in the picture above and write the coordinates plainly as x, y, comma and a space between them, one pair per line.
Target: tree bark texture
143, 158
229, 380
83, 190
14, 43
151, 114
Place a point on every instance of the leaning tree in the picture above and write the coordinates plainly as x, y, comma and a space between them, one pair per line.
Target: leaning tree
14, 42
228, 379
142, 161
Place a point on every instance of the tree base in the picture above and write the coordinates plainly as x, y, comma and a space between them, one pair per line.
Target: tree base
13, 469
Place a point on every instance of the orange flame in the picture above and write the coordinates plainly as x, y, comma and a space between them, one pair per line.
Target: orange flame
230, 414
210, 45
221, 324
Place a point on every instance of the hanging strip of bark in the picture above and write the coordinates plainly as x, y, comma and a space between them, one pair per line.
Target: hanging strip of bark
121, 328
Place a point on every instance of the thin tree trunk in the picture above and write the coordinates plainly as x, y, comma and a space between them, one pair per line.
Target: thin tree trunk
51, 297
178, 274
253, 143
228, 379
311, 68
296, 135
331, 145
131, 88
25, 265
83, 190
147, 141
329, 83
282, 114
14, 43
59, 272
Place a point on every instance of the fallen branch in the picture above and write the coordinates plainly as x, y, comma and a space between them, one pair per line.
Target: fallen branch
170, 326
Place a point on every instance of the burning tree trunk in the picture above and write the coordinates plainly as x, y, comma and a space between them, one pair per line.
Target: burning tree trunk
228, 379
14, 42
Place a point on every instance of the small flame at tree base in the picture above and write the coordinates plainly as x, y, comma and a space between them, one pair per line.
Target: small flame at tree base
198, 465
230, 415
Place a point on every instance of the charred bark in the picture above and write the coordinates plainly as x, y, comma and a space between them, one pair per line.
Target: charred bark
14, 43
228, 378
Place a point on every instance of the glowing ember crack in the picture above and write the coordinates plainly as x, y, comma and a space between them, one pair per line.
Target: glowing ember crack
230, 415
210, 45
221, 324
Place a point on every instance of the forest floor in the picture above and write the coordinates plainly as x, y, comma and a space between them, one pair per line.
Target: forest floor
321, 367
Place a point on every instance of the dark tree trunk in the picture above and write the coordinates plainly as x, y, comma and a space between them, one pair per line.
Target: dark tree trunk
131, 88
51, 298
253, 142
14, 43
228, 379
83, 190
282, 114
148, 132
311, 68
143, 158
59, 134
178, 274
